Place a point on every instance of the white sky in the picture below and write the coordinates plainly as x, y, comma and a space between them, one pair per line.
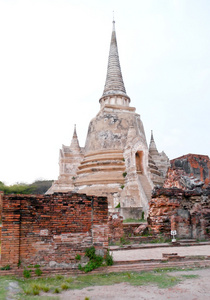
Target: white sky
53, 60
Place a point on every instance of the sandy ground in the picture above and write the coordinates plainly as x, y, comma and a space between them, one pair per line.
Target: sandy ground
187, 289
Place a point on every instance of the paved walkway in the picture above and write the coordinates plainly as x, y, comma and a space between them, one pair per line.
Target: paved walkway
156, 253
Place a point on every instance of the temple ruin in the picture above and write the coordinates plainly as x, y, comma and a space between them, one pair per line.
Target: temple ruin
182, 204
116, 161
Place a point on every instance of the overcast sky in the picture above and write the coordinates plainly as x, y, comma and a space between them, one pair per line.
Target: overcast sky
53, 61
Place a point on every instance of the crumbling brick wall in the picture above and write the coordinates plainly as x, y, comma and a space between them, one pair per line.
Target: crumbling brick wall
1, 201
186, 211
52, 229
115, 223
194, 165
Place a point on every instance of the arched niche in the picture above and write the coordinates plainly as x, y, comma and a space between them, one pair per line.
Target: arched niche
139, 162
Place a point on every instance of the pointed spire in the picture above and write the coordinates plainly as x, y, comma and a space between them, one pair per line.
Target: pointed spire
75, 132
114, 84
152, 138
74, 142
152, 146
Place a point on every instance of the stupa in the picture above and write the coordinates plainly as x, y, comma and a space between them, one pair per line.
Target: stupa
115, 159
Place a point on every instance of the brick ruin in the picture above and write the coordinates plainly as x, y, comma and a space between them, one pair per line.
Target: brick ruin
194, 165
51, 230
182, 204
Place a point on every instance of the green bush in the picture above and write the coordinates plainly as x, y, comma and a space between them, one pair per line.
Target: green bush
45, 288
78, 257
64, 286
109, 259
90, 252
38, 272
95, 261
59, 276
7, 267
27, 273
56, 291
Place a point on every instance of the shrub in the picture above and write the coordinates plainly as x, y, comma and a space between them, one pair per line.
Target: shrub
95, 261
27, 273
93, 264
109, 259
124, 174
28, 291
38, 272
118, 205
45, 288
90, 252
35, 286
7, 267
59, 277
35, 292
78, 257
122, 186
56, 291
64, 286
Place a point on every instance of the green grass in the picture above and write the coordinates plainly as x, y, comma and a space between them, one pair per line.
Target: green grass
158, 240
189, 276
4, 282
33, 287
162, 280
130, 220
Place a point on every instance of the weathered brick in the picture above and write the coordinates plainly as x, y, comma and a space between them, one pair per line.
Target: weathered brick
45, 228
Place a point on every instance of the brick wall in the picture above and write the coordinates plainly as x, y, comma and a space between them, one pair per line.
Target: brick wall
186, 211
116, 230
52, 229
194, 165
1, 200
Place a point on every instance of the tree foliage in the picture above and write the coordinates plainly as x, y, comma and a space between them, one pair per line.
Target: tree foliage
37, 187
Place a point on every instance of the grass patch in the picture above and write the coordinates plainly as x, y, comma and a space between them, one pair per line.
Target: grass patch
189, 276
65, 286
130, 220
158, 240
4, 282
32, 287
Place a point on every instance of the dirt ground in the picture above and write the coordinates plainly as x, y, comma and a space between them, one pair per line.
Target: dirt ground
188, 289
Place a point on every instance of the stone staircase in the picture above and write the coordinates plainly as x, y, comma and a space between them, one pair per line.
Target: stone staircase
146, 185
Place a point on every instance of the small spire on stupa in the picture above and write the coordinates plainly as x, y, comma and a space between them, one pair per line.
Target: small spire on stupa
152, 146
152, 138
114, 84
74, 142
75, 132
